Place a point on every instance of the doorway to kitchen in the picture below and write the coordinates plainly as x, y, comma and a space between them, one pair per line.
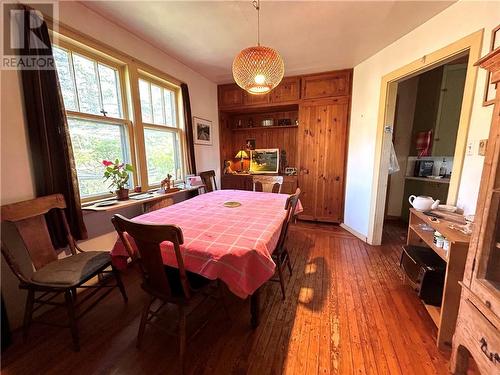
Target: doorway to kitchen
469, 45
424, 135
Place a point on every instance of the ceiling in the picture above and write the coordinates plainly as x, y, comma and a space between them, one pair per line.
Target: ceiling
312, 36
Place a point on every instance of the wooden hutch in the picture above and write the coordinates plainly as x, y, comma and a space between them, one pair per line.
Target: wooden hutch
309, 116
477, 333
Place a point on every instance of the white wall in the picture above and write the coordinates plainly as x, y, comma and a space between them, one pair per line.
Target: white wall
457, 21
16, 180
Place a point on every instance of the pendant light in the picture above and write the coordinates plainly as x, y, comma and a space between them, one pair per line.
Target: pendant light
258, 69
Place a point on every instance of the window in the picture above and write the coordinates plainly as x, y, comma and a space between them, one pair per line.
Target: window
98, 99
161, 130
98, 130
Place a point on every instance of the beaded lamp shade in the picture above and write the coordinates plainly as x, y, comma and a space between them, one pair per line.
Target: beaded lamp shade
258, 69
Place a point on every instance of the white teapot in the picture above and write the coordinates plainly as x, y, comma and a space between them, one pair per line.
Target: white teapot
423, 203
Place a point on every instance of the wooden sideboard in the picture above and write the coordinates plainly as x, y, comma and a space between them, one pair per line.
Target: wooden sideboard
444, 316
478, 326
310, 117
245, 182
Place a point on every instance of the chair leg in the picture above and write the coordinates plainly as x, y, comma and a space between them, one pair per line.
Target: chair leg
182, 337
28, 313
144, 319
119, 283
282, 282
288, 263
68, 296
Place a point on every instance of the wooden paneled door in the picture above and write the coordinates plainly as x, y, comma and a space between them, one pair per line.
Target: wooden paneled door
321, 158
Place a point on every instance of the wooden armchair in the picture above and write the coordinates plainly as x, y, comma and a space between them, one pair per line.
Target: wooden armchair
208, 178
268, 183
168, 284
53, 276
280, 255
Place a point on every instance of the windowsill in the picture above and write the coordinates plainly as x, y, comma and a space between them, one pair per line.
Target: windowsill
154, 196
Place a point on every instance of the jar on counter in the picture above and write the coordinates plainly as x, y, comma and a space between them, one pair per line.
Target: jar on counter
438, 239
446, 244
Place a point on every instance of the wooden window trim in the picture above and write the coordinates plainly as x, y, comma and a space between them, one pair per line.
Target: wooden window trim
130, 71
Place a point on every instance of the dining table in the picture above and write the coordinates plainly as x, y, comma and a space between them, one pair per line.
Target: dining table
229, 235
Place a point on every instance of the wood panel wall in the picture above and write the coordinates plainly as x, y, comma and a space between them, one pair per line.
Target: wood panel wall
284, 139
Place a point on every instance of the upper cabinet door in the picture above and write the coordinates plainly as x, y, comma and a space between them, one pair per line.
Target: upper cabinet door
230, 95
253, 99
287, 91
326, 85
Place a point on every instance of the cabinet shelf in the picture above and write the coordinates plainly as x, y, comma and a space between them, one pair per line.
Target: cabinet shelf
266, 127
425, 179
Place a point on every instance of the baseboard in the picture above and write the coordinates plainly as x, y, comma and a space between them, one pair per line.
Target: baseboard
354, 232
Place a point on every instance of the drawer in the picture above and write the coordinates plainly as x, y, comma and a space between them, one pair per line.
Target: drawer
483, 338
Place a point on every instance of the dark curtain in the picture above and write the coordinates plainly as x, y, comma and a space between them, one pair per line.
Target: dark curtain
50, 143
188, 120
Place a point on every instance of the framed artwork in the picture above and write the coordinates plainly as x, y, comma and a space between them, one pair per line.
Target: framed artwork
490, 88
265, 160
202, 130
250, 144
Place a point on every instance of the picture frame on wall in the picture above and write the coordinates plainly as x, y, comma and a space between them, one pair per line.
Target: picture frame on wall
490, 88
203, 132
265, 160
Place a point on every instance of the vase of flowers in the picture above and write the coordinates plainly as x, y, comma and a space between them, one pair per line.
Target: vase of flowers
118, 173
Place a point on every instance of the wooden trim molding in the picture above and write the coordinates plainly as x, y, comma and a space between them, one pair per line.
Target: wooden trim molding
471, 44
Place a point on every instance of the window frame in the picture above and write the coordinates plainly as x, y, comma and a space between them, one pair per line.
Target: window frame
130, 70
178, 129
124, 121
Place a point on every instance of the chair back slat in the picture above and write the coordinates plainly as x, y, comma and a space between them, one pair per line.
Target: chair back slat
208, 178
33, 207
257, 186
29, 219
148, 238
36, 238
270, 184
290, 206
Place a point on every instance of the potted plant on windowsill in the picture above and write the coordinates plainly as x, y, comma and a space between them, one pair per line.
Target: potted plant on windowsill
118, 173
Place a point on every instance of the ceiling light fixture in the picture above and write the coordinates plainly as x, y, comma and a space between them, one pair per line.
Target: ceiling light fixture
258, 69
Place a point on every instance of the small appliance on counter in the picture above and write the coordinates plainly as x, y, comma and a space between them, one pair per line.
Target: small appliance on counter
426, 272
423, 168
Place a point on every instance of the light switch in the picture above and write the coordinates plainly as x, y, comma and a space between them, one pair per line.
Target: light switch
470, 148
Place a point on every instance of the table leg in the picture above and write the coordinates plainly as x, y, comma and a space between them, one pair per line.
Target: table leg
255, 308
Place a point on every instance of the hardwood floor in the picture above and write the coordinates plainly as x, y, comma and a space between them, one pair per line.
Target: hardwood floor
347, 311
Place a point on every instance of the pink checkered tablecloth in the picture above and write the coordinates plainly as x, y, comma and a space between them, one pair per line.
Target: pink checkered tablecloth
231, 244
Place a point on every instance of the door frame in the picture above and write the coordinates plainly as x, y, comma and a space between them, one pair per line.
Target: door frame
388, 91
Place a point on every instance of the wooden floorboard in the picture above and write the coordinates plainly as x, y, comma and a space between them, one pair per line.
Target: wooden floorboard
347, 311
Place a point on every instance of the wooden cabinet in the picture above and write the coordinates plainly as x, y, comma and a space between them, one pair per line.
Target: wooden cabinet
444, 316
478, 333
320, 102
326, 85
245, 182
321, 158
287, 91
230, 95
237, 182
251, 99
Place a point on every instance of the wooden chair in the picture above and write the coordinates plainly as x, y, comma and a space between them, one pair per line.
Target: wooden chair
208, 178
53, 276
280, 255
268, 183
167, 284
